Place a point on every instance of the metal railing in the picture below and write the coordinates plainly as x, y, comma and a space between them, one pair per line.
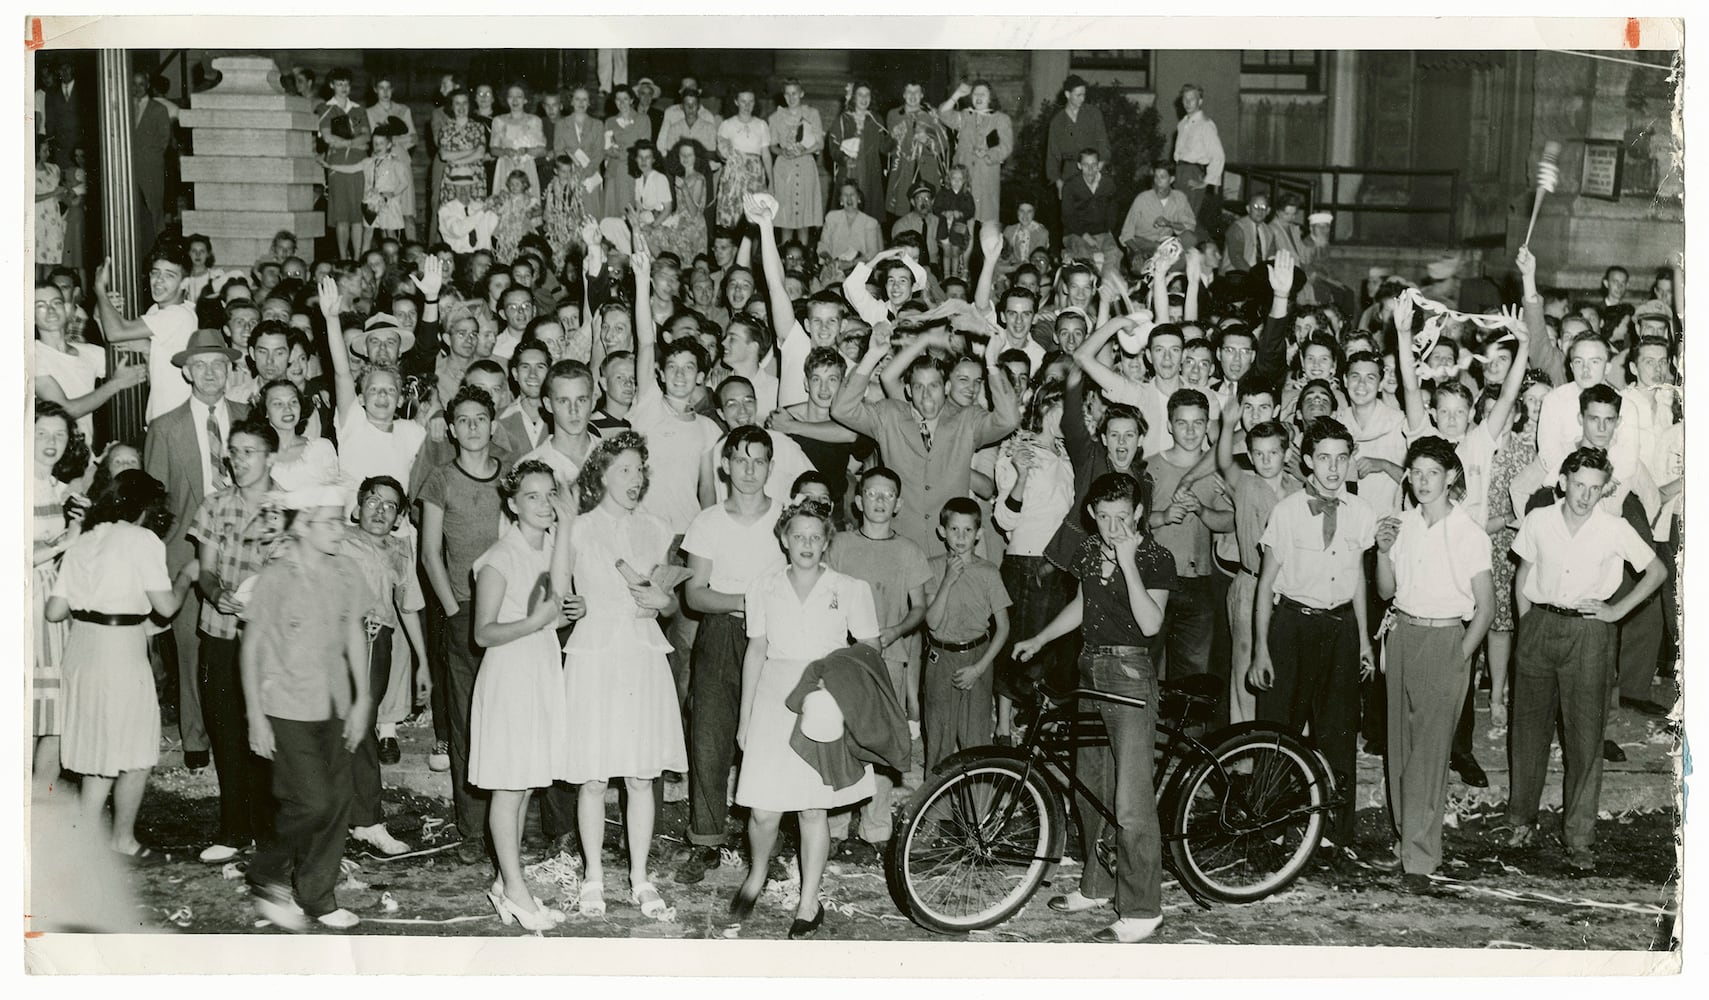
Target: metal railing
1365, 195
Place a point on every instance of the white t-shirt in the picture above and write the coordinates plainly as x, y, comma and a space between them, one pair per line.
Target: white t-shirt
792, 366
564, 468
364, 450
740, 553
169, 330
75, 369
674, 449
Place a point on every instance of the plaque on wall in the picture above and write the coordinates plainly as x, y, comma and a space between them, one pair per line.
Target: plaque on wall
1603, 159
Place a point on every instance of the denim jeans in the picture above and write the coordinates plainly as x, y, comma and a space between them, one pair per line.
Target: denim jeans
1121, 775
1039, 590
715, 701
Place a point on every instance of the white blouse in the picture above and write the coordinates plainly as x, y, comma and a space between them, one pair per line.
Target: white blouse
837, 607
1046, 500
112, 568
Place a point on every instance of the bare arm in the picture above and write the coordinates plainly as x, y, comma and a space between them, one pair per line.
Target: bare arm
1406, 366
433, 556
344, 382
47, 387
1497, 416
752, 663
850, 408
1005, 413
1086, 355
114, 327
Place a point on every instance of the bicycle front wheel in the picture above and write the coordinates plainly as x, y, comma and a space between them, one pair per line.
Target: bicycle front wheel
1246, 821
975, 844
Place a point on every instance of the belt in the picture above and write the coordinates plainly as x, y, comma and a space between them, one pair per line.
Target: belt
956, 647
101, 618
1114, 650
1556, 609
1412, 619
1306, 609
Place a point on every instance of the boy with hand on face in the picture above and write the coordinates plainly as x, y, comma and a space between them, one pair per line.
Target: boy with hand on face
967, 624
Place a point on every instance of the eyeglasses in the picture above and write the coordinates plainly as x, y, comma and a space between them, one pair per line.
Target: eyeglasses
373, 502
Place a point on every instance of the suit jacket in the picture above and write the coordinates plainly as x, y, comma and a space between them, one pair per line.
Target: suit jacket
65, 121
875, 731
172, 454
150, 138
1247, 245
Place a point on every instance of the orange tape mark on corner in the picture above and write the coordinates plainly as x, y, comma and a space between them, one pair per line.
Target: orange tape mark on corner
1634, 34
35, 40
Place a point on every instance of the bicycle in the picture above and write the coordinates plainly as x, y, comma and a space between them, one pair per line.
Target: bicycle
1241, 810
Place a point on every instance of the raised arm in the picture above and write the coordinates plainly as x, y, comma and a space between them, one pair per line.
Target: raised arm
850, 408
1497, 415
991, 242
115, 328
646, 338
782, 309
1406, 365
1272, 358
343, 381
1005, 413
1113, 383
854, 289
1545, 353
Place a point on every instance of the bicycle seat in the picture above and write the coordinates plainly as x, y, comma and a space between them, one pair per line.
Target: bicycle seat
1203, 688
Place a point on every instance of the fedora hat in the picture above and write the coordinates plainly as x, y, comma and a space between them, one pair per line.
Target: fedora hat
205, 342
358, 342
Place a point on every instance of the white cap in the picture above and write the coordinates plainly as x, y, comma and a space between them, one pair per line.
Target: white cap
310, 498
821, 717
1320, 218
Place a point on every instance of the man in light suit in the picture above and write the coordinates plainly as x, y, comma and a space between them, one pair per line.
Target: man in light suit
1249, 241
185, 450
151, 136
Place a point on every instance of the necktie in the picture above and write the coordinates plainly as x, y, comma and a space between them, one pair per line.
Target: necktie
926, 434
216, 450
1319, 504
1263, 244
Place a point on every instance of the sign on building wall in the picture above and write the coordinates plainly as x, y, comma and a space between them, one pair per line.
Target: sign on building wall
1603, 160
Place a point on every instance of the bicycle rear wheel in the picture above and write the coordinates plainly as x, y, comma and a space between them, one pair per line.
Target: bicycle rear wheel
1245, 822
975, 844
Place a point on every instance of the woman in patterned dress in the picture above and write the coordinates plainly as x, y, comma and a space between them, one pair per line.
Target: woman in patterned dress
517, 138
984, 138
871, 143
744, 144
50, 210
797, 135
622, 131
683, 231
919, 149
462, 147
59, 448
380, 113
1517, 449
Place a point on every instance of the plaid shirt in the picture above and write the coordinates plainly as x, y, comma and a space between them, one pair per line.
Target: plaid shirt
228, 529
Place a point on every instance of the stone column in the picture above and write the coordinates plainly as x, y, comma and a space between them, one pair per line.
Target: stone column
254, 170
123, 418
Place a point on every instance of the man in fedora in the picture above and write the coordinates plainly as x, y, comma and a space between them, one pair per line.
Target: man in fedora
185, 449
381, 341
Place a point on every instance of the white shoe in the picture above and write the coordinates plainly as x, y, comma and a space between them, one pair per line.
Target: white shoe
279, 909
339, 919
380, 839
1076, 902
440, 758
216, 854
1129, 930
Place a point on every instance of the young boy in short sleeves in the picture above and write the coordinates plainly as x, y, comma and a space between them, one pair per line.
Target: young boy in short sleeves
967, 623
1309, 634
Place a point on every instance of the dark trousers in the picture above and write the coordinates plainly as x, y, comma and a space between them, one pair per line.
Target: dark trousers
952, 719
1187, 627
462, 660
715, 700
1121, 776
365, 807
1316, 661
1563, 667
246, 805
1641, 636
311, 781
437, 670
1039, 590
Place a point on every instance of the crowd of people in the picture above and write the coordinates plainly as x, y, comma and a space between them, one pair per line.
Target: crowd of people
662, 469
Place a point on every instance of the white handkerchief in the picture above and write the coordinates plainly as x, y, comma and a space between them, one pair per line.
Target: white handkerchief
581, 159
850, 147
591, 182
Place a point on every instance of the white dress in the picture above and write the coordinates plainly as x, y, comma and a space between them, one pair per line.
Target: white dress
797, 632
517, 728
112, 717
508, 134
315, 465
623, 717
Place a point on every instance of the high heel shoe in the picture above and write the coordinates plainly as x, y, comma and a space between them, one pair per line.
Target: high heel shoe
802, 929
501, 906
541, 918
742, 905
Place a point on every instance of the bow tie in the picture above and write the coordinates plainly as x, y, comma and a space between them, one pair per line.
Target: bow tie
1325, 507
